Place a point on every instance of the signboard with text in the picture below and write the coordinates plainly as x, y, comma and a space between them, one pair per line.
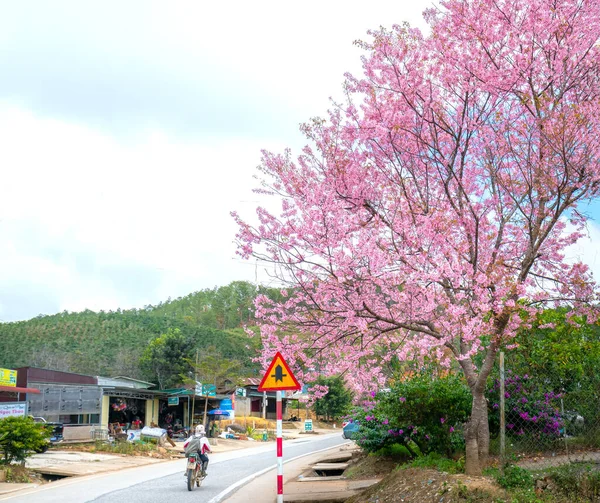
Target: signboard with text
13, 409
226, 404
8, 377
209, 390
173, 400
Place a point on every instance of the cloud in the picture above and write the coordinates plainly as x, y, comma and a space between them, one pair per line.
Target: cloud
232, 68
87, 222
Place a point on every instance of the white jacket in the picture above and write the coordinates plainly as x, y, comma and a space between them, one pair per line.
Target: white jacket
203, 445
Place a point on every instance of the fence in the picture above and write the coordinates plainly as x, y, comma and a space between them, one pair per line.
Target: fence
538, 421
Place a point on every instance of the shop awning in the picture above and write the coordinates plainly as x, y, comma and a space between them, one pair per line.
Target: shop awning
15, 389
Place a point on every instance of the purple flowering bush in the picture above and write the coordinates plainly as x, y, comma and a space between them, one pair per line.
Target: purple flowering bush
424, 414
531, 412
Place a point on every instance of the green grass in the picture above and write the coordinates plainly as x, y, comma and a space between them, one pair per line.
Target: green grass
124, 447
437, 462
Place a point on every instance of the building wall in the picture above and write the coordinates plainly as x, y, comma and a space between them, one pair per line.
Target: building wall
105, 411
152, 411
242, 406
57, 402
26, 375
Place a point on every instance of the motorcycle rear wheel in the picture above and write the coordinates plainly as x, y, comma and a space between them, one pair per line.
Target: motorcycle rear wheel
191, 478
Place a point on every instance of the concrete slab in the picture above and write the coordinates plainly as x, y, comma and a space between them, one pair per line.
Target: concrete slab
330, 466
325, 490
319, 479
337, 457
74, 463
334, 497
87, 468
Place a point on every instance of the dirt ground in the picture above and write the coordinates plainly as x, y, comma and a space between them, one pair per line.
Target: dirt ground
418, 485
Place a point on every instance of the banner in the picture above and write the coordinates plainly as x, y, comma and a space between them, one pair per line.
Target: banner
8, 377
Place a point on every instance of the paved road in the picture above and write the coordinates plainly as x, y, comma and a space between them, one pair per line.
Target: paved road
165, 482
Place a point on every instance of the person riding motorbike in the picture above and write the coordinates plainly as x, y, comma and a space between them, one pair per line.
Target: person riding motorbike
198, 443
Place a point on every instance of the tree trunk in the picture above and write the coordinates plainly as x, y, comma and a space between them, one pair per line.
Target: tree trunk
477, 435
483, 433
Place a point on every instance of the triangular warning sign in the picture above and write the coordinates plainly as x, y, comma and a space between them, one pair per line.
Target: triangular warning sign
278, 376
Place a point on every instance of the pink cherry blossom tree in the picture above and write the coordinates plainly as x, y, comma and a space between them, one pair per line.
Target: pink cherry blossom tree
431, 212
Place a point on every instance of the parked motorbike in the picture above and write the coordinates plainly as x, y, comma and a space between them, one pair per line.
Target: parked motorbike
177, 433
195, 472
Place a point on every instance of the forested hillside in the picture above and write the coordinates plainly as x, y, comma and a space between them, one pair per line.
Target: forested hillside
111, 343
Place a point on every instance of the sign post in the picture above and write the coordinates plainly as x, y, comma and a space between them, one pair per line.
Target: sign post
279, 378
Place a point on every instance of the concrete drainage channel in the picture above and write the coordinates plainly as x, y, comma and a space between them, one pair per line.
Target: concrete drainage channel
325, 481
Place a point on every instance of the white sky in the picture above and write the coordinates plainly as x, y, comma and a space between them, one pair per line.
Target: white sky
131, 130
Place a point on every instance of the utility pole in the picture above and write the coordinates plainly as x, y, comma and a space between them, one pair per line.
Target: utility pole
194, 398
205, 393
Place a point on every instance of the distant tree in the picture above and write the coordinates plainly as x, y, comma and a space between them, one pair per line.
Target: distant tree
127, 363
336, 402
212, 368
166, 358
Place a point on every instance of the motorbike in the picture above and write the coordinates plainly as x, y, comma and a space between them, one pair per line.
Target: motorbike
177, 433
195, 473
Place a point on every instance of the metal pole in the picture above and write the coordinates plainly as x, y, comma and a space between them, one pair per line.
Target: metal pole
502, 418
264, 412
189, 423
195, 384
279, 449
562, 410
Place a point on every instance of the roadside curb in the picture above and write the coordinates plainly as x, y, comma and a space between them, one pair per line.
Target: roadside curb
5, 487
233, 488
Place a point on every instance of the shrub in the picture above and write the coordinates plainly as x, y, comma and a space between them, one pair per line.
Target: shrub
532, 413
424, 414
21, 437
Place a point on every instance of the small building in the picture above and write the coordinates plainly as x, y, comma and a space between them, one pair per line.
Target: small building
85, 403
126, 400
250, 402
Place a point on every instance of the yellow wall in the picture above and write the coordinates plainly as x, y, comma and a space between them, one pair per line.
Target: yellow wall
105, 409
151, 411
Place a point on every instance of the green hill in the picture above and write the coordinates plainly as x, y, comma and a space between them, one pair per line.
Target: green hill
111, 343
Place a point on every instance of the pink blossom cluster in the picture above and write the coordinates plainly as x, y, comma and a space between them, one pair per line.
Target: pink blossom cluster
431, 213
